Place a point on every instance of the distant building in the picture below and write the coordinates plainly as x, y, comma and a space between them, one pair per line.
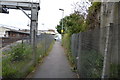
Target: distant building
3, 31
8, 32
41, 32
25, 30
15, 33
50, 31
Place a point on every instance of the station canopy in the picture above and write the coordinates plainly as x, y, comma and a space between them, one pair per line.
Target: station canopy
34, 1
14, 4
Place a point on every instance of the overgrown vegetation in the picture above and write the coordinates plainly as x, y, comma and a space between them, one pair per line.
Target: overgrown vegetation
19, 61
72, 24
66, 44
15, 60
93, 19
76, 22
20, 52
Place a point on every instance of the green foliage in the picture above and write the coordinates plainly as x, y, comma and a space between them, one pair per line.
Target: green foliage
20, 52
9, 71
92, 20
66, 41
15, 60
59, 28
76, 23
95, 6
84, 26
72, 24
18, 62
66, 44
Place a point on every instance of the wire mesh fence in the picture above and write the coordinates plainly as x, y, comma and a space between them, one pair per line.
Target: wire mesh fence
19, 60
88, 49
0, 59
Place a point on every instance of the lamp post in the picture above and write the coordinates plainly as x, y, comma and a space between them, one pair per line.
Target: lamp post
62, 21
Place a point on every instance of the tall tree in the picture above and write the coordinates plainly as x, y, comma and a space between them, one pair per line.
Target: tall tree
72, 23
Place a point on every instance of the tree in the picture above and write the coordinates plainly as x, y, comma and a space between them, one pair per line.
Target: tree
72, 23
58, 29
81, 7
92, 18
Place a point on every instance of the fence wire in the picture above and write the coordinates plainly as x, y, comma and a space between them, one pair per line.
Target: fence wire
18, 61
0, 59
88, 50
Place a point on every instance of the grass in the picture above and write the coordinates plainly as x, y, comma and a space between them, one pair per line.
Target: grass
18, 62
66, 44
15, 60
41, 53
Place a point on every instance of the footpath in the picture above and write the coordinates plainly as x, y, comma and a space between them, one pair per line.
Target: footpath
55, 65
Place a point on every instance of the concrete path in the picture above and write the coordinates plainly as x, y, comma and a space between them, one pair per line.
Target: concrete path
55, 65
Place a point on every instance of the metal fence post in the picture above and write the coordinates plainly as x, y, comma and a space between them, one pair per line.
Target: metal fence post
106, 63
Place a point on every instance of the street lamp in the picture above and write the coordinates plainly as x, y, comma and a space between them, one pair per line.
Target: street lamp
62, 19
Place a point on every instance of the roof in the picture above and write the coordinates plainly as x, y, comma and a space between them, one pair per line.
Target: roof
35, 1
13, 29
18, 31
8, 27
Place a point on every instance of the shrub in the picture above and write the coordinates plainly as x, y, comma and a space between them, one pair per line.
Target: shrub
15, 60
19, 52
66, 44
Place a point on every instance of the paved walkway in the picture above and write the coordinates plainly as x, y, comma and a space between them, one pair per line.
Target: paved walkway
55, 65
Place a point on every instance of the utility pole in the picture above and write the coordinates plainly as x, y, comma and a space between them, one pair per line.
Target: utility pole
34, 28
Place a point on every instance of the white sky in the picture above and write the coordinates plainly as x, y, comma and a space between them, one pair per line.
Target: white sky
49, 15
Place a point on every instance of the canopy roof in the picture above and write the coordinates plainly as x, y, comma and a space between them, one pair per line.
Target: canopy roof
34, 1
14, 4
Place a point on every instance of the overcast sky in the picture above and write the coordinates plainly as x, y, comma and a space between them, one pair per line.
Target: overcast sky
49, 15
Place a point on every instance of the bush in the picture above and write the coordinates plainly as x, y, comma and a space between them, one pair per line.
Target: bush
15, 60
18, 62
20, 52
66, 44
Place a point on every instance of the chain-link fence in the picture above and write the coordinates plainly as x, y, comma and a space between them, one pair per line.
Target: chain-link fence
19, 60
96, 52
0, 59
